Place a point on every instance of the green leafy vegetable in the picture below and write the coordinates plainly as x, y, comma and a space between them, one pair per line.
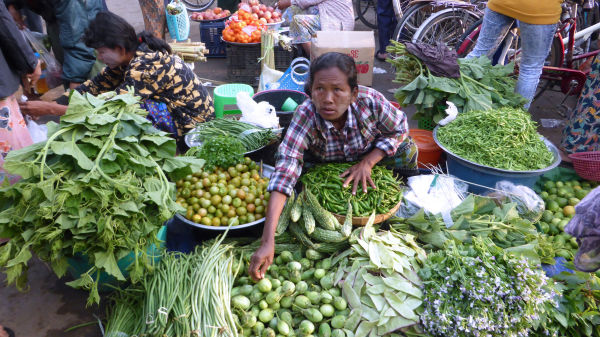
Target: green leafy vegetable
97, 187
505, 138
220, 151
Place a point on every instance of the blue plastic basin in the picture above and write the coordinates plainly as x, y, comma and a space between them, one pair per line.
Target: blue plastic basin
489, 176
79, 263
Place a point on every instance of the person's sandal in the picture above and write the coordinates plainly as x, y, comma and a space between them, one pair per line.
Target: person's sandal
381, 56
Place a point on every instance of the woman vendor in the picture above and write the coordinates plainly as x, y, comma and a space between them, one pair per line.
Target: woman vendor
341, 122
172, 94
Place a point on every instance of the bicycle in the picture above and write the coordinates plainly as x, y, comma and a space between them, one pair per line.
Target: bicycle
198, 5
426, 16
366, 11
564, 60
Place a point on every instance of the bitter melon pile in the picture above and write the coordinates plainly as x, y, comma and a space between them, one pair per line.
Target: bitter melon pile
313, 225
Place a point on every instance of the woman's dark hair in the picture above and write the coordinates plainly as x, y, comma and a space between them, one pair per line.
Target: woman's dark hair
112, 31
329, 60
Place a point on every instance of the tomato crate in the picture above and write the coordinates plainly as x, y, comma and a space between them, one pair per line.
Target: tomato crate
210, 35
243, 65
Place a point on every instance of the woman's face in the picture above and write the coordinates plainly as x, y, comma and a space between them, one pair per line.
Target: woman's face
112, 57
331, 93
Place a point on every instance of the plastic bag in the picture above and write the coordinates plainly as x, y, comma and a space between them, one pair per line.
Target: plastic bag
53, 70
529, 205
435, 193
585, 226
38, 132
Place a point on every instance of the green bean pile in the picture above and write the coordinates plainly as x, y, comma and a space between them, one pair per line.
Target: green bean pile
325, 183
506, 139
253, 137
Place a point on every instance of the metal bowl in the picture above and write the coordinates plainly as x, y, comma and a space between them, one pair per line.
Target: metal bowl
191, 140
203, 232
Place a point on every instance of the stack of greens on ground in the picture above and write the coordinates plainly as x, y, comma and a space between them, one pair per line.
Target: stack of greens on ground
480, 86
97, 187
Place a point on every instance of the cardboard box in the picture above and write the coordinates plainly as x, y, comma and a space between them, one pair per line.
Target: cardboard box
360, 45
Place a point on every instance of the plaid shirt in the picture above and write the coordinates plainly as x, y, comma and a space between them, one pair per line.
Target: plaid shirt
372, 122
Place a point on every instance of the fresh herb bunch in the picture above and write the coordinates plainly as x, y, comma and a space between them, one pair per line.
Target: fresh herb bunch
219, 151
253, 137
481, 85
505, 138
97, 187
480, 290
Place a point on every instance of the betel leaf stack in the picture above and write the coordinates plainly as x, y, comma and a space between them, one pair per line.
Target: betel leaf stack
97, 188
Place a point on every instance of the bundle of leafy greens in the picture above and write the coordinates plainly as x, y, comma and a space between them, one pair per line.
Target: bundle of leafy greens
219, 151
96, 188
481, 85
479, 216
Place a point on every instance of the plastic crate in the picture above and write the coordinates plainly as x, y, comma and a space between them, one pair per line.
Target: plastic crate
210, 35
426, 124
243, 65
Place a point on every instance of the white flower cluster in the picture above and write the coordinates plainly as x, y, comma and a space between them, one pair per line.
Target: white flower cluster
476, 293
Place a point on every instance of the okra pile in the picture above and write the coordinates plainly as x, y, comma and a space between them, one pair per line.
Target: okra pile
297, 297
325, 183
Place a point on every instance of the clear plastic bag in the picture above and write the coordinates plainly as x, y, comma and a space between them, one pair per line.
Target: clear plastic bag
52, 69
529, 205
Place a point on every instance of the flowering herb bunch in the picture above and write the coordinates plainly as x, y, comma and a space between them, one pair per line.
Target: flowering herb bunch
479, 290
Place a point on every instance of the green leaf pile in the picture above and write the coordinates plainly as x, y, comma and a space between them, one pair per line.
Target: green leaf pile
504, 138
481, 85
96, 188
379, 279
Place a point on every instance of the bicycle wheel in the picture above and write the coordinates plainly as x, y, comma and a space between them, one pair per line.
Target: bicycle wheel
446, 26
366, 10
466, 43
198, 5
411, 20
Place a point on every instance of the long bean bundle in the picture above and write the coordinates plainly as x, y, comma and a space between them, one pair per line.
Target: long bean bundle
325, 183
506, 139
187, 296
252, 136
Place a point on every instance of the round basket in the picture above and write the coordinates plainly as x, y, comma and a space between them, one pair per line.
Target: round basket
587, 164
362, 220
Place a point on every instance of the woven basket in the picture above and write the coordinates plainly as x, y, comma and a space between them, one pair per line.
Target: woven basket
587, 164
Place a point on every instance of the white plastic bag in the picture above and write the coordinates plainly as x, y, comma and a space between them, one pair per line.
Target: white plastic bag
37, 131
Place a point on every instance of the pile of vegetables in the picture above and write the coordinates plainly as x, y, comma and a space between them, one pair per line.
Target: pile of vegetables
504, 138
221, 197
481, 86
325, 183
97, 187
561, 199
190, 52
479, 290
314, 226
181, 298
378, 276
480, 217
253, 137
297, 297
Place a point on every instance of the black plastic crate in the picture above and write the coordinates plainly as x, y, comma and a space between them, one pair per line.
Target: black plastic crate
243, 65
210, 35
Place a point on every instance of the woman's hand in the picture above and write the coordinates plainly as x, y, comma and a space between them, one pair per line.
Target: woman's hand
361, 172
41, 108
261, 260
283, 4
30, 80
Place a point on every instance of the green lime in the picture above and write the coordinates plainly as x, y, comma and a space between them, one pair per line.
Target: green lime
560, 184
555, 221
580, 194
552, 206
574, 201
562, 202
559, 214
563, 224
545, 227
553, 230
547, 216
562, 192
549, 184
553, 190
544, 195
